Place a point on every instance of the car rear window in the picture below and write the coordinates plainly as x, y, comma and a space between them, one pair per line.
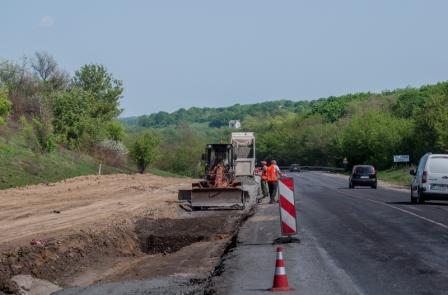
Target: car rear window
438, 165
364, 170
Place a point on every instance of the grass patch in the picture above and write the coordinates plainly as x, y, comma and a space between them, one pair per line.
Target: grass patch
396, 176
21, 166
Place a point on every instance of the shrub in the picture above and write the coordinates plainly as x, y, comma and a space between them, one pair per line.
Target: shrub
5, 106
111, 152
145, 150
115, 131
38, 134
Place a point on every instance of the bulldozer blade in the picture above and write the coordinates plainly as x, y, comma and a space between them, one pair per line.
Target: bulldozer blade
218, 198
184, 195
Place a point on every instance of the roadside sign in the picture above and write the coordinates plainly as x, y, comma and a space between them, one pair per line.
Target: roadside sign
345, 161
401, 158
288, 215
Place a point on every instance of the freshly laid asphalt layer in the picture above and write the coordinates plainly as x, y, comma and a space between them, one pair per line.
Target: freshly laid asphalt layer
353, 241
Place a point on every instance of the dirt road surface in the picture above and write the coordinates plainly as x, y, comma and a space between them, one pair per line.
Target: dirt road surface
32, 212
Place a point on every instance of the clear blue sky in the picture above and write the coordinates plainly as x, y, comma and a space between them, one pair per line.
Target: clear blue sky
173, 54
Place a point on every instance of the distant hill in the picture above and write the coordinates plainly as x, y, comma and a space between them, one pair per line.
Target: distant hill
332, 108
216, 117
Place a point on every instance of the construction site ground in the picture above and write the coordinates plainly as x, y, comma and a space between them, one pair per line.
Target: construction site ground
87, 230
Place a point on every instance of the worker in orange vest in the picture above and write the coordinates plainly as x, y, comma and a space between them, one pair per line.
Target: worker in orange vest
264, 179
273, 173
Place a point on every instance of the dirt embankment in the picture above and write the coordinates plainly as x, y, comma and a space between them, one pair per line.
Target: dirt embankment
43, 211
110, 228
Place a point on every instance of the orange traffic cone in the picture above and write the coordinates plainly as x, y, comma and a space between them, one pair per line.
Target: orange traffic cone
280, 277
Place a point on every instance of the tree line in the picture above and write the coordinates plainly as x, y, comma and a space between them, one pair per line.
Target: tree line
365, 128
218, 117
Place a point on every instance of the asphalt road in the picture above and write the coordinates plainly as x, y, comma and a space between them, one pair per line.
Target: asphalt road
360, 241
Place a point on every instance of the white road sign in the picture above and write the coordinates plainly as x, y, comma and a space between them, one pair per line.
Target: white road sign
401, 158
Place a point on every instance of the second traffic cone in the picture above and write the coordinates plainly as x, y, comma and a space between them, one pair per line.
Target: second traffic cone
280, 277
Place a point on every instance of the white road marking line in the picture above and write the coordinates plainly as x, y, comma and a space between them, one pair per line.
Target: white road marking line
415, 208
400, 209
410, 213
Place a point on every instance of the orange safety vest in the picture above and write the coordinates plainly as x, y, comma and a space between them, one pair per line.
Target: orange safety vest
271, 174
264, 173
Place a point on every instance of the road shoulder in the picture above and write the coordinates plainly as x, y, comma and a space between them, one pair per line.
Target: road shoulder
249, 267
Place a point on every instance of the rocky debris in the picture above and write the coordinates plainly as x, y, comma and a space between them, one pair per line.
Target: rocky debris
27, 285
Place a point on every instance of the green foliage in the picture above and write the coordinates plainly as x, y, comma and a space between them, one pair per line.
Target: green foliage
295, 139
433, 124
181, 151
38, 135
73, 121
22, 166
79, 115
115, 131
44, 134
5, 105
409, 103
334, 108
29, 135
220, 117
399, 176
145, 150
374, 138
103, 87
84, 115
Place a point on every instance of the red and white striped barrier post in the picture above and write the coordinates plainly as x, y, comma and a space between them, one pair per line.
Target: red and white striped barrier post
288, 215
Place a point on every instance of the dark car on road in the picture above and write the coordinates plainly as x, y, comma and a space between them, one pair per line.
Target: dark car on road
294, 168
363, 175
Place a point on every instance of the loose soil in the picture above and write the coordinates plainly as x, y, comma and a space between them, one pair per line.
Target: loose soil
108, 228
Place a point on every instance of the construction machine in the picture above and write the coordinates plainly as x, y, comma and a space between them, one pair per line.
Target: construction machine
243, 144
223, 165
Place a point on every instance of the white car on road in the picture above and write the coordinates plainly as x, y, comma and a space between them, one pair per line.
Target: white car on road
431, 178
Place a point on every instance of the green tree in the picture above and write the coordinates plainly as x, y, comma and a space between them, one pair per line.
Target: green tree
374, 137
182, 158
145, 150
72, 120
40, 136
115, 131
5, 105
432, 125
104, 88
408, 103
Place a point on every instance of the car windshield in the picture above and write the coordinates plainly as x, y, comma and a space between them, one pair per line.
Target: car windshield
364, 170
438, 165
